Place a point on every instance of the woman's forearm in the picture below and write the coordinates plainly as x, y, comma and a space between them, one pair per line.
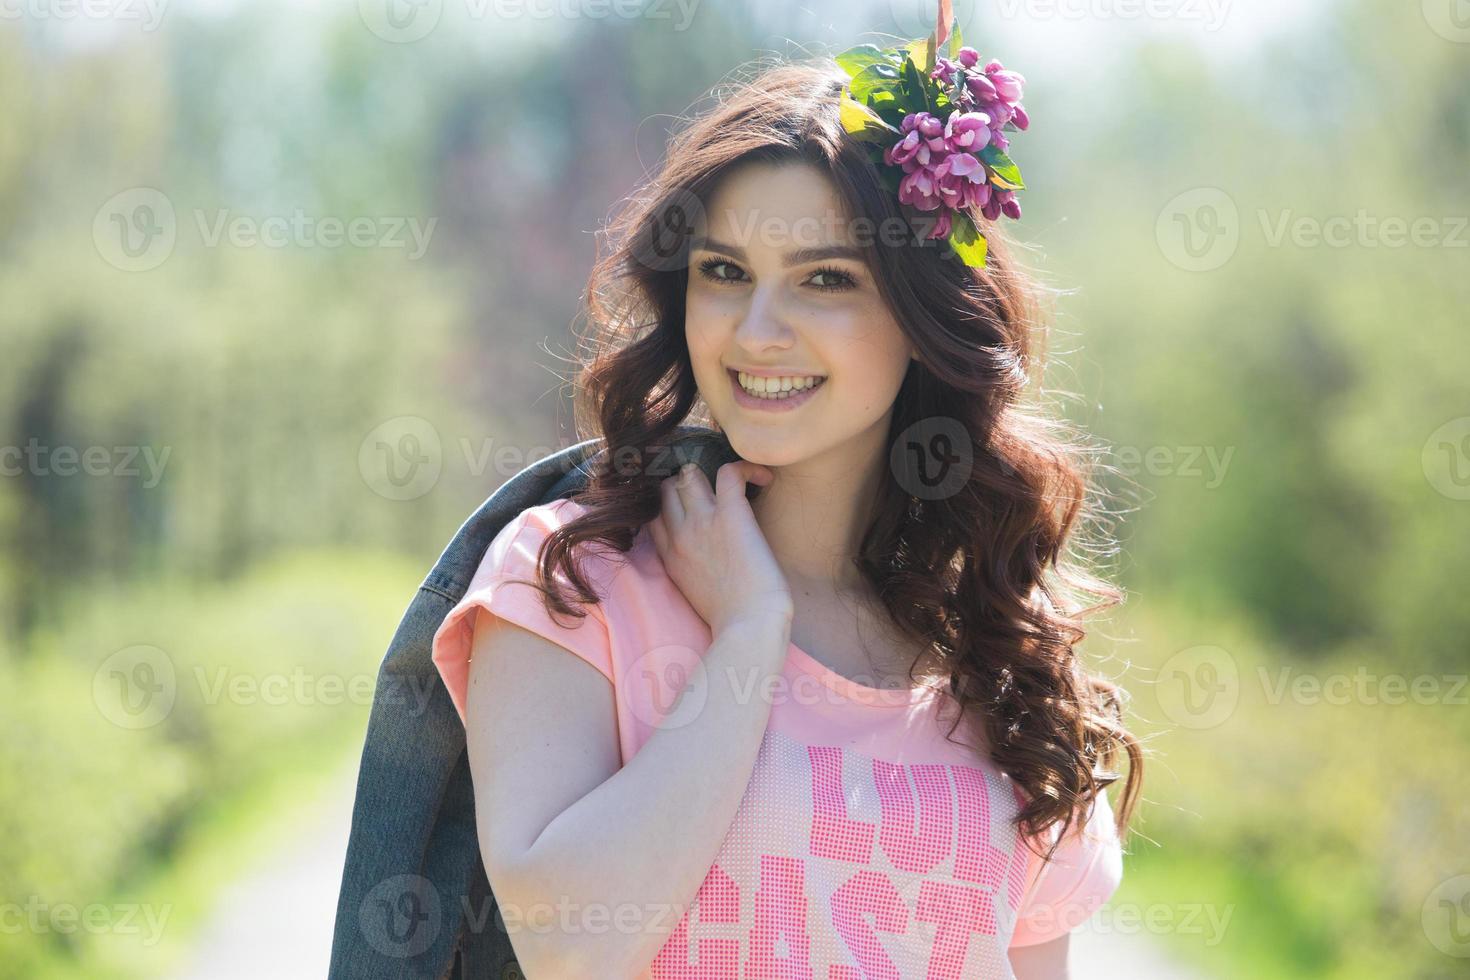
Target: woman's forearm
607, 881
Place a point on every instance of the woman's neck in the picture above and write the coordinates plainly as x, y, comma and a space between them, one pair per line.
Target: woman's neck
815, 512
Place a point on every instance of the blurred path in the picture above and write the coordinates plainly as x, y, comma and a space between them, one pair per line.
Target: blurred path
277, 922
1110, 956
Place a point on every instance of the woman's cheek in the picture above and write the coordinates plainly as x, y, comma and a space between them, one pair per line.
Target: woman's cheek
701, 320
709, 311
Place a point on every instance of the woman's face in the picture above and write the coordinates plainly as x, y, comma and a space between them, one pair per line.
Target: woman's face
778, 292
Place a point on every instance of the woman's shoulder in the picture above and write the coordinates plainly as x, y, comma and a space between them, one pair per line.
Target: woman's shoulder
1083, 873
552, 514
600, 561
507, 585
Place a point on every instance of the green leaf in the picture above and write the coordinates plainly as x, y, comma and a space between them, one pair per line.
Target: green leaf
854, 60
885, 102
954, 41
921, 54
916, 88
877, 77
863, 123
1005, 172
967, 241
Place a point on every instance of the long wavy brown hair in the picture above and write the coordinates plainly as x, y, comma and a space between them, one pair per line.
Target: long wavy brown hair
991, 576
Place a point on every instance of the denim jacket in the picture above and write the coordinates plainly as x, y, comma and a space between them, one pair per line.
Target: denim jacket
415, 901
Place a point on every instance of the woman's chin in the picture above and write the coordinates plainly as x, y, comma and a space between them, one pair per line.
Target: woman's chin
767, 445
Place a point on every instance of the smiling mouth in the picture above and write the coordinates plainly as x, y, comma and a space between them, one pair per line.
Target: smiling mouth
776, 388
785, 399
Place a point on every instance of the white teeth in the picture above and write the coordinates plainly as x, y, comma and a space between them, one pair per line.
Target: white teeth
777, 388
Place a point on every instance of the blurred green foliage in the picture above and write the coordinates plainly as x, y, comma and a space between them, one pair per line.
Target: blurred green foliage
1294, 828
1283, 421
255, 676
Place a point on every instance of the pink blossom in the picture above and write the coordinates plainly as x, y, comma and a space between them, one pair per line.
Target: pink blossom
944, 69
906, 150
941, 158
918, 190
981, 87
968, 131
1009, 206
1008, 84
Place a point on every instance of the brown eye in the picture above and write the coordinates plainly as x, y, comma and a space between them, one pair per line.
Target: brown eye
838, 280
708, 266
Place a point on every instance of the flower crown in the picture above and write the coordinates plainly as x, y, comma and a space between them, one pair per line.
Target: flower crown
941, 123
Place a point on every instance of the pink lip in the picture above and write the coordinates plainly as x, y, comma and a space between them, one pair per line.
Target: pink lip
774, 372
786, 404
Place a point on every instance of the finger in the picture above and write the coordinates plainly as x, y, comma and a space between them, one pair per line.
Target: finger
673, 507
733, 476
694, 490
659, 533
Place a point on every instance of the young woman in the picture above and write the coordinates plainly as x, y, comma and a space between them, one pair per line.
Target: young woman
823, 718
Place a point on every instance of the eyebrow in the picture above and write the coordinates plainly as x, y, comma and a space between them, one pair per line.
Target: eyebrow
800, 256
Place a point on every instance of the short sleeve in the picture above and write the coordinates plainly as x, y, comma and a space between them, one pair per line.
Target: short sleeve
494, 590
1083, 874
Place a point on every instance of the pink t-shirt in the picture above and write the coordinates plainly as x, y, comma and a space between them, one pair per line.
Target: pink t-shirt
866, 844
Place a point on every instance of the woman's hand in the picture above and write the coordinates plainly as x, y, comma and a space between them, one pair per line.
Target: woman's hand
714, 550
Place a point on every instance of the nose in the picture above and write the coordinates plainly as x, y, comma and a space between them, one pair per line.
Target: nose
764, 326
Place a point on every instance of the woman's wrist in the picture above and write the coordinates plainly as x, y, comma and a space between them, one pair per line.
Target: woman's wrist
777, 615
760, 629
